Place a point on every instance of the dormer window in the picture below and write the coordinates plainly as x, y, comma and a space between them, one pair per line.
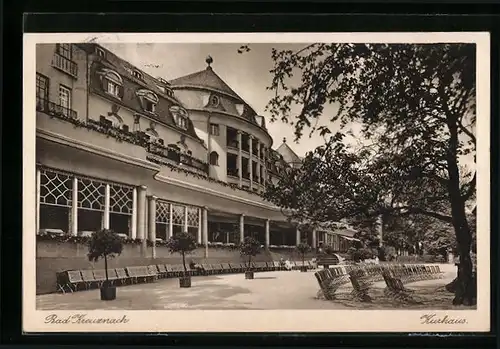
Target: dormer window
180, 117
149, 100
137, 74
100, 52
149, 106
112, 83
214, 101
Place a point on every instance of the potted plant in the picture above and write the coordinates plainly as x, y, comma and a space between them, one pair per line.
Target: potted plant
303, 248
182, 243
105, 244
249, 248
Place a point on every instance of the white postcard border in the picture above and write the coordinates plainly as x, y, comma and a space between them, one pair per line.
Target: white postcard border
260, 320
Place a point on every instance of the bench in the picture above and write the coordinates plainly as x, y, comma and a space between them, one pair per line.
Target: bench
360, 284
122, 276
326, 261
396, 290
70, 280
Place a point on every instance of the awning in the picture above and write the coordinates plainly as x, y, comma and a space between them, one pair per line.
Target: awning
349, 238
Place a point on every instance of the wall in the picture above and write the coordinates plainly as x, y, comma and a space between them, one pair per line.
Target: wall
53, 257
44, 55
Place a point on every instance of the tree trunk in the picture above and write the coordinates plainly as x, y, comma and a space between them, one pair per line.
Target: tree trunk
184, 262
249, 262
106, 267
303, 262
465, 290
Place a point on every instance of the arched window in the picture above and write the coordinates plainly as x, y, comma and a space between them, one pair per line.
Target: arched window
112, 82
214, 158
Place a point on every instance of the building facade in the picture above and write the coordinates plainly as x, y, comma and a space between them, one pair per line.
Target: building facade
117, 148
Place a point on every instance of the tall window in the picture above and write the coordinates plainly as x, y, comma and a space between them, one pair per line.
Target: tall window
65, 99
178, 219
214, 158
64, 50
149, 106
214, 129
113, 88
42, 86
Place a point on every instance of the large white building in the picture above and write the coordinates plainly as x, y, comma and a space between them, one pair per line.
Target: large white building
120, 149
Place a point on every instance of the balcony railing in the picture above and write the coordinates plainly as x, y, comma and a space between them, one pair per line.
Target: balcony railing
232, 172
64, 64
176, 157
233, 144
51, 108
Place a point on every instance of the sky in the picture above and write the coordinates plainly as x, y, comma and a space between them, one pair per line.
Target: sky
247, 74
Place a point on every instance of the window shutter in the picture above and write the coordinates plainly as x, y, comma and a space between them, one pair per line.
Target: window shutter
120, 91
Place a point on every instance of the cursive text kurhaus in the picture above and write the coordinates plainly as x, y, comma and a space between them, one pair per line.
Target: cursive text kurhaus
433, 319
84, 319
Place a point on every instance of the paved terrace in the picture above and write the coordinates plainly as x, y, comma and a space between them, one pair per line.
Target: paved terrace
269, 290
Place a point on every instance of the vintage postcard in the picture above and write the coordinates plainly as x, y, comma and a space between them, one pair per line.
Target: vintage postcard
287, 182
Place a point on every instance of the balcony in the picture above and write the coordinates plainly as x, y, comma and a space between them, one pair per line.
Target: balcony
51, 108
232, 172
65, 65
176, 157
233, 144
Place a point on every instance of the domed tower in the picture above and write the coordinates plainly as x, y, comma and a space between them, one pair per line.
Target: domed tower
236, 136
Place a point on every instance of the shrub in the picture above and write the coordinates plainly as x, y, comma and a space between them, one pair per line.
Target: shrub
250, 248
104, 244
303, 248
182, 243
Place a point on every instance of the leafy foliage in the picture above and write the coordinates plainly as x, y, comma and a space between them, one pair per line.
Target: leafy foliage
360, 254
182, 243
250, 247
104, 243
303, 248
415, 107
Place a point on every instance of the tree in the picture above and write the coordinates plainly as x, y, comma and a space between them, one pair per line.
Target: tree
249, 248
182, 243
415, 105
104, 244
303, 248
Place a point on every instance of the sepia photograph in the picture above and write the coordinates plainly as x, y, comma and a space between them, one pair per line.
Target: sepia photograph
276, 182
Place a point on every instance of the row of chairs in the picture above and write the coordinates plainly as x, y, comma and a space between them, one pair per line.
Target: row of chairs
331, 279
76, 280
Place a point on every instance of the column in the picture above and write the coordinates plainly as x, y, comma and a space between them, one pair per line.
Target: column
250, 161
74, 208
133, 230
258, 162
106, 207
240, 161
200, 227
242, 228
152, 218
141, 212
170, 223
37, 199
185, 219
268, 234
152, 223
297, 236
265, 165
205, 230
314, 244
